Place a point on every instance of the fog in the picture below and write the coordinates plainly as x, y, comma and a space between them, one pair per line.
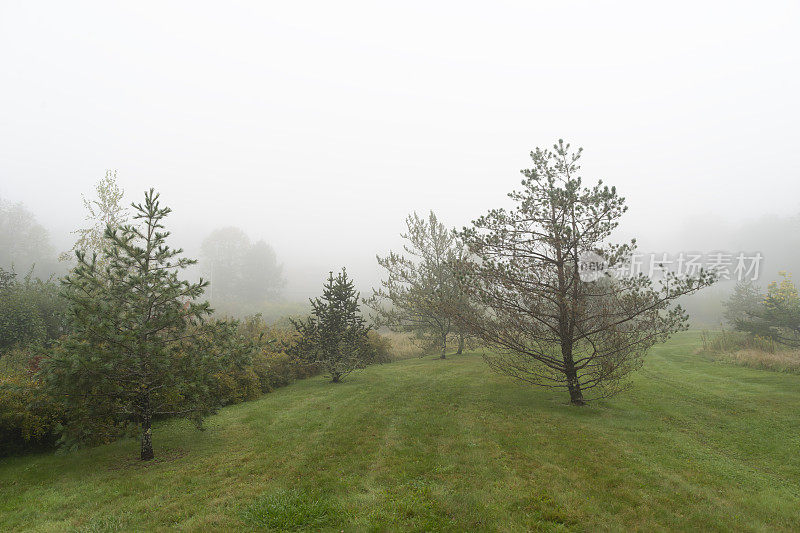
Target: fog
318, 127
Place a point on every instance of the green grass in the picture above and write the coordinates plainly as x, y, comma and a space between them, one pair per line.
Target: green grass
433, 445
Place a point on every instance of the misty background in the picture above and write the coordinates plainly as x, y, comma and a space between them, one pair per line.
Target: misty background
317, 127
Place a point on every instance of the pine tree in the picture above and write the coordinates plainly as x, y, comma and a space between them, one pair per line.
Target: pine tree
774, 316
544, 323
335, 335
140, 347
745, 301
421, 293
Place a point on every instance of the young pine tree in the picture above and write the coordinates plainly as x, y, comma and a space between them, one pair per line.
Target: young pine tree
335, 335
139, 347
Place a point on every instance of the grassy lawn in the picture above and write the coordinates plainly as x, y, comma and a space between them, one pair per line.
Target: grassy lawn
424, 444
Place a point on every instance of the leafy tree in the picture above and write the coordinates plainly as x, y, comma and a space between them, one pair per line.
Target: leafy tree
778, 315
242, 273
262, 275
24, 243
140, 347
20, 320
544, 323
222, 252
31, 311
105, 210
421, 292
335, 336
51, 305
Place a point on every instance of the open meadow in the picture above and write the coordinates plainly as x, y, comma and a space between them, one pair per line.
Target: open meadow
428, 444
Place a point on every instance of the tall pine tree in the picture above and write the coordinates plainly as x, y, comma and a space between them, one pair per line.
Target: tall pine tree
543, 322
140, 348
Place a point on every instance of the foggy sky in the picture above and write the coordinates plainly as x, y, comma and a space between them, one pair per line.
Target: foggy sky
319, 126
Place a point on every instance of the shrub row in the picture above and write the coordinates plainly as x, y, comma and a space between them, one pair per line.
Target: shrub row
30, 421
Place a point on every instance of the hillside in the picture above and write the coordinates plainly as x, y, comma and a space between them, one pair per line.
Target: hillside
424, 444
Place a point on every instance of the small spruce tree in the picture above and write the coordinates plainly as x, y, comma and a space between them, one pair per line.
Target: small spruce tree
335, 335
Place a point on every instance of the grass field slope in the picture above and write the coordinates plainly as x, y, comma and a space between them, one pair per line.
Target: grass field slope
431, 445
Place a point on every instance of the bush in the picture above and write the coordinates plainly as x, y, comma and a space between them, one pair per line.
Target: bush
28, 418
236, 386
381, 347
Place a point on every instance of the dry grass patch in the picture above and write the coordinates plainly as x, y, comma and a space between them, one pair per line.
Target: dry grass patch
753, 352
403, 345
780, 361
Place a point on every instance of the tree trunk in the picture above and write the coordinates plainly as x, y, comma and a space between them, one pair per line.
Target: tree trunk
147, 438
334, 378
573, 384
444, 346
575, 393
460, 344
